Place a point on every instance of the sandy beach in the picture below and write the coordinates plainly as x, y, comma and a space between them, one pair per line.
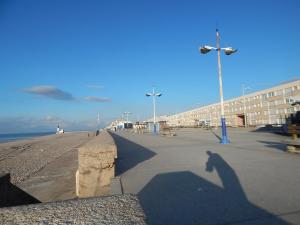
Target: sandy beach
24, 158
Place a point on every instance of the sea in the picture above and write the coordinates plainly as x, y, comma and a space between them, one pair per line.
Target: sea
19, 136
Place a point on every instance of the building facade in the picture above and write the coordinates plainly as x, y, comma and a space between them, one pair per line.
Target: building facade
269, 106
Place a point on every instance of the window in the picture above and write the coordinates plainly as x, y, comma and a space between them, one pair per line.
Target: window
289, 100
288, 91
264, 96
278, 92
271, 94
272, 103
272, 111
279, 102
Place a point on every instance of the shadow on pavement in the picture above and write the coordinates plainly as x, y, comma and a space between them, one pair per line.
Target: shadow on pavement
276, 145
216, 135
185, 198
273, 130
11, 195
129, 154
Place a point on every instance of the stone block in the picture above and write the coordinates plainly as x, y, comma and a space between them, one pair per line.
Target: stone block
96, 165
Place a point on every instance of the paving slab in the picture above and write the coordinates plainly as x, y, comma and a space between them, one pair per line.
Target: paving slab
192, 179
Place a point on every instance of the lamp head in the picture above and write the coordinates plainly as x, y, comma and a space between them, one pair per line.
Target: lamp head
205, 49
229, 50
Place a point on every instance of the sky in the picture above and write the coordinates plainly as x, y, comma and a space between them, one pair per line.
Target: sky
66, 61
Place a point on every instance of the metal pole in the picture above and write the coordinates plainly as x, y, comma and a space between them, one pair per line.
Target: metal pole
245, 116
98, 122
224, 139
154, 113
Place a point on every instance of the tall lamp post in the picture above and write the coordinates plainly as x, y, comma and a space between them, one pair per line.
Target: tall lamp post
98, 121
228, 51
154, 95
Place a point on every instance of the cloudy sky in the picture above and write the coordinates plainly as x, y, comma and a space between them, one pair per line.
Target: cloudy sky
65, 61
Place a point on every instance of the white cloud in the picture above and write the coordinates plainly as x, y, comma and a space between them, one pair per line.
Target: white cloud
97, 99
50, 92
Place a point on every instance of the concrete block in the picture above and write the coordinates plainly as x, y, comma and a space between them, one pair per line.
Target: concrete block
96, 165
116, 186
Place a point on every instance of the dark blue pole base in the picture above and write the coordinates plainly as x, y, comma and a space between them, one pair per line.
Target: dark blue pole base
154, 129
224, 139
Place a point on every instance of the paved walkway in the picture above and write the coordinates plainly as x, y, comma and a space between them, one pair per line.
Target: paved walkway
192, 179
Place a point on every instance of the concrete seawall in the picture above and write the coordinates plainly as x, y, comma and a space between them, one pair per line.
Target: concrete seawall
96, 168
96, 165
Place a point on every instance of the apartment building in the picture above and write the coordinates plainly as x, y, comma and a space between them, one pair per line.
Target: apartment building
269, 106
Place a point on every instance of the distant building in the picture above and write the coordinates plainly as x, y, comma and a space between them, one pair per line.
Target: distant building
159, 121
120, 125
59, 131
269, 106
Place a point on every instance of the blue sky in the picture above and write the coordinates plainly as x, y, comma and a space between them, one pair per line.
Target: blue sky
65, 61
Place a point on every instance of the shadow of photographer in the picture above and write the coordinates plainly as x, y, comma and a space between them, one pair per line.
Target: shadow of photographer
184, 198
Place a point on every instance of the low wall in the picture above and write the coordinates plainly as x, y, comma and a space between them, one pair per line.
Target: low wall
96, 165
118, 209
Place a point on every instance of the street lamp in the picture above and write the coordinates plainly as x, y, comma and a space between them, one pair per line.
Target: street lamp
228, 51
98, 121
154, 95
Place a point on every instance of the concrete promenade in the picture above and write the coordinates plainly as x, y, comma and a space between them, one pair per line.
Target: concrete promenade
192, 179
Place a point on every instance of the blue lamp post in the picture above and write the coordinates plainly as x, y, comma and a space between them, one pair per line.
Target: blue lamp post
228, 51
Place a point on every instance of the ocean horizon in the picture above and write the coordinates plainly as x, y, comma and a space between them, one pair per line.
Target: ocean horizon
20, 136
